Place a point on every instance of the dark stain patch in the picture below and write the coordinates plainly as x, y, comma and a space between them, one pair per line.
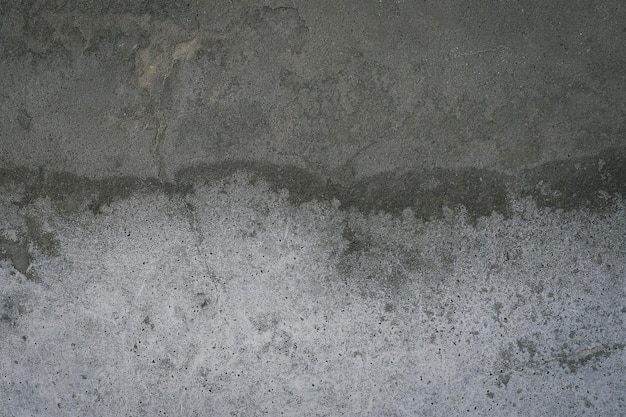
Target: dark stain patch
387, 266
508, 362
503, 378
24, 119
147, 322
17, 253
481, 192
12, 308
356, 243
582, 357
528, 346
303, 186
104, 192
72, 193
588, 182
497, 307
428, 192
584, 183
365, 259
45, 241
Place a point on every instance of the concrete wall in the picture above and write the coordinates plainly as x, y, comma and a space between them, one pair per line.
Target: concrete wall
385, 208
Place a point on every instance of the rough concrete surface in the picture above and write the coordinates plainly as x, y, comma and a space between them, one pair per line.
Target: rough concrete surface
359, 208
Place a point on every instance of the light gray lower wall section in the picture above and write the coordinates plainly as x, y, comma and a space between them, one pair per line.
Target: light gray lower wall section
233, 300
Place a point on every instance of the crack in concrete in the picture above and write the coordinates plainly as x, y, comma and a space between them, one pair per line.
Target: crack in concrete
157, 143
209, 274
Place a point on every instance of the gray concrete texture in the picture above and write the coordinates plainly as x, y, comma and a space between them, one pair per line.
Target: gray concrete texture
357, 208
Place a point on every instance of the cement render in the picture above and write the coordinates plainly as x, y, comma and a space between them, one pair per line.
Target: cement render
382, 208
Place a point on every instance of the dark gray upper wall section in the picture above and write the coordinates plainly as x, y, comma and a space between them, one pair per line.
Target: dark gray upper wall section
346, 89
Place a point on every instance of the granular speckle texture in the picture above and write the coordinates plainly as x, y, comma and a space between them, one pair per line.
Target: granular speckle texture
312, 208
230, 298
